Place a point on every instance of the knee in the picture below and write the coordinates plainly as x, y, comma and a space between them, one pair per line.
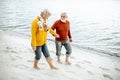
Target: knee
58, 53
37, 57
69, 51
46, 56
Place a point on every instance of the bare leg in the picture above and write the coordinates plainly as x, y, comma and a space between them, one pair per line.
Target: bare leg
49, 60
36, 65
58, 60
67, 60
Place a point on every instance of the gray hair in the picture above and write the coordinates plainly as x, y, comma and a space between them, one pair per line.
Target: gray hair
45, 13
64, 13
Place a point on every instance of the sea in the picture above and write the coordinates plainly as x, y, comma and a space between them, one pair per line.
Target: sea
94, 24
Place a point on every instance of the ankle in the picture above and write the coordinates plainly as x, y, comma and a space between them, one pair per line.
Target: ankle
53, 67
36, 67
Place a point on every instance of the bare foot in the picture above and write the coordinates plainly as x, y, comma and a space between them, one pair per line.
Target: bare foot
55, 68
59, 62
67, 62
36, 67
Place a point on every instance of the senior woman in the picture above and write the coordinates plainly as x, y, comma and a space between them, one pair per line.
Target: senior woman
39, 31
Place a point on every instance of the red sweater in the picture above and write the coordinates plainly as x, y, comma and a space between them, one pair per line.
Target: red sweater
63, 29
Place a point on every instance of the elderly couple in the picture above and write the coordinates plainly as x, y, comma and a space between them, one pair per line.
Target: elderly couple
39, 31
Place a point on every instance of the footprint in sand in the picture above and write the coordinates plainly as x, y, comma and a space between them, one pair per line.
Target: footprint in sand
117, 69
8, 48
80, 62
6, 51
108, 76
104, 69
77, 65
19, 57
30, 61
22, 66
90, 72
13, 51
87, 62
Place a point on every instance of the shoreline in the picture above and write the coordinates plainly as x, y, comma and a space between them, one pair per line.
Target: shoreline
17, 57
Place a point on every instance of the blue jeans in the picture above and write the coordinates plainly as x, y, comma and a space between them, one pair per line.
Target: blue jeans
64, 43
40, 49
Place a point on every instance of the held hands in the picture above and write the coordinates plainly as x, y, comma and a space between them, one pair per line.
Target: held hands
56, 36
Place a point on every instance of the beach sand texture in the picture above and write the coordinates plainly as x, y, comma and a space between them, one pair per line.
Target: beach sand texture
16, 62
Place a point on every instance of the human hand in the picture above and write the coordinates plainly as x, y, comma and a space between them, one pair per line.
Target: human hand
70, 40
56, 36
34, 48
44, 25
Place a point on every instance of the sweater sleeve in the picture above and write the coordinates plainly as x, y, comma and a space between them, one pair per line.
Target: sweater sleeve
69, 33
33, 32
52, 31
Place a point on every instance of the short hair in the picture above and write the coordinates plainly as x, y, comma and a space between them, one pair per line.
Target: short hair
64, 13
45, 13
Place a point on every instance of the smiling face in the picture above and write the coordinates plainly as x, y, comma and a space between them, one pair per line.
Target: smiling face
64, 17
45, 14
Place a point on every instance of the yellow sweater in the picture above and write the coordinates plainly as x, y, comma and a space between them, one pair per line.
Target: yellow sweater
39, 37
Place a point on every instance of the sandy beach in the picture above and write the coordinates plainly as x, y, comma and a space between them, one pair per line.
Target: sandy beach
16, 62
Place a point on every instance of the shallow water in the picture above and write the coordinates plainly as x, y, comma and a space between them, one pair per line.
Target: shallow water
95, 24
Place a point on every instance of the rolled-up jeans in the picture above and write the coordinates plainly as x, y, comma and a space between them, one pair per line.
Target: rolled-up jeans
64, 43
40, 49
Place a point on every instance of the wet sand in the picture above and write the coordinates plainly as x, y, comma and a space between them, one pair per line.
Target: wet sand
16, 62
